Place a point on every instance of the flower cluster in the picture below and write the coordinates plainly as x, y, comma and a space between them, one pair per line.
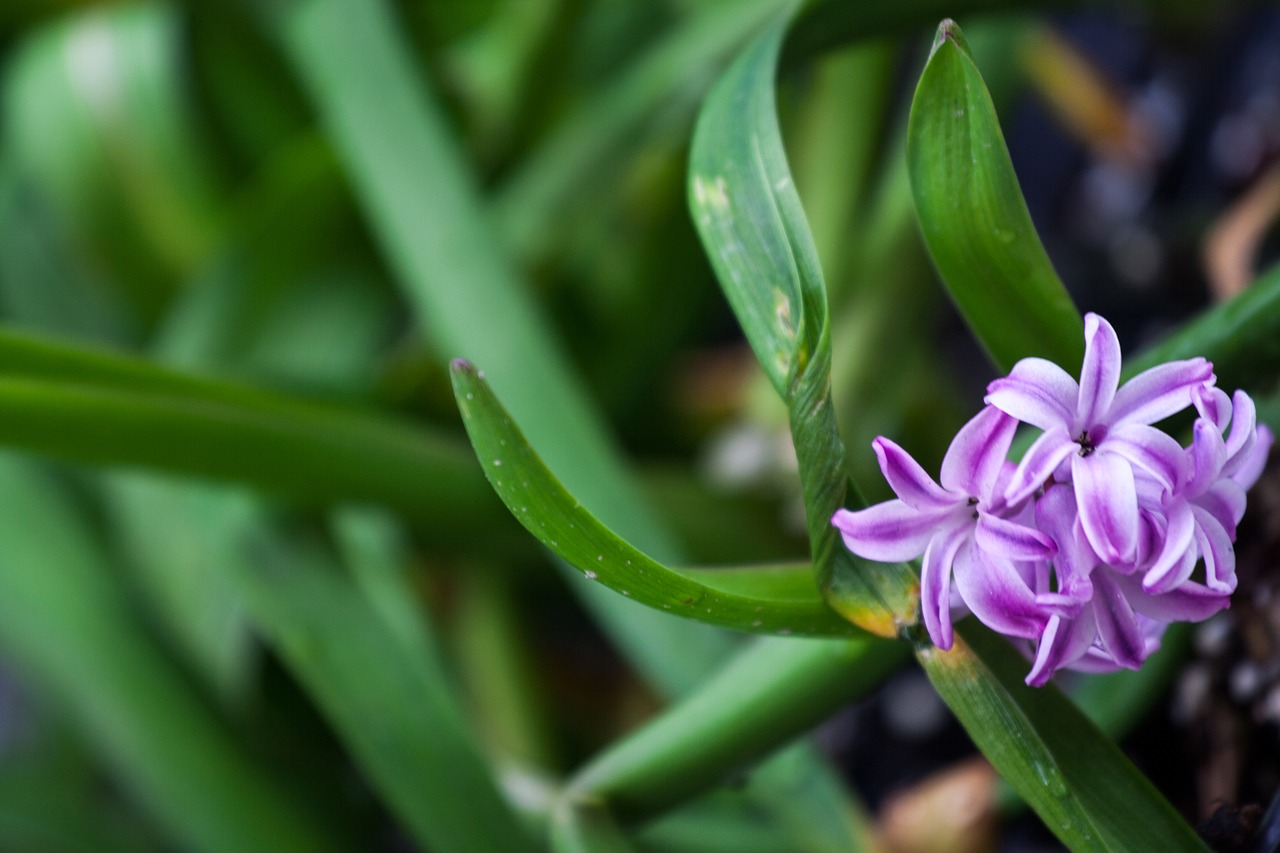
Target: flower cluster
1090, 544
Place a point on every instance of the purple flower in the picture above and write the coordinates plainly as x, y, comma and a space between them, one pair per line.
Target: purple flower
1103, 429
1115, 623
961, 528
1090, 546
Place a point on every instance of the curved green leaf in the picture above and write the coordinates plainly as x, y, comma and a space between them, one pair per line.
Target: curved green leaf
138, 414
394, 139
1076, 779
770, 694
974, 220
750, 219
777, 601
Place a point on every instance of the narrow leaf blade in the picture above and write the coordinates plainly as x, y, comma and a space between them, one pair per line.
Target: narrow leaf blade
975, 221
1082, 786
762, 601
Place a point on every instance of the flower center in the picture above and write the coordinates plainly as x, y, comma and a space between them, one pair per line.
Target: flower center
973, 503
1087, 445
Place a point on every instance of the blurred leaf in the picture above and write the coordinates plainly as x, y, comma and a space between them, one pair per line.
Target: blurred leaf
96, 112
1078, 781
762, 600
768, 695
466, 293
752, 225
147, 416
1240, 336
66, 624
975, 221
589, 147
387, 699
180, 540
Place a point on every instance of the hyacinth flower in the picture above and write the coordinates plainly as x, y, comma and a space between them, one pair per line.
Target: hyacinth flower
1088, 546
1118, 623
1101, 431
1204, 510
961, 527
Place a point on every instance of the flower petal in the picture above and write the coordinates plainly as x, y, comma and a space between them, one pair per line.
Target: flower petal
1100, 373
1075, 560
1117, 626
997, 594
908, 480
1225, 501
1208, 454
1155, 394
1038, 464
1176, 559
889, 532
1213, 405
1154, 451
1108, 503
1244, 433
1010, 541
1037, 392
1251, 468
1064, 641
977, 453
1190, 602
935, 585
1215, 548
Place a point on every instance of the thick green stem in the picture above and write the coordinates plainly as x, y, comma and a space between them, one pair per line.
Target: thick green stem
770, 694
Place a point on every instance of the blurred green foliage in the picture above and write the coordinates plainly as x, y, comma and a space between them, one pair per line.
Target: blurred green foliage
279, 608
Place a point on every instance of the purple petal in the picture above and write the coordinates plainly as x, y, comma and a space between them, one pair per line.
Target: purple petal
1155, 394
978, 451
1251, 468
1038, 464
1075, 560
1208, 455
1225, 500
1108, 503
889, 532
1117, 625
997, 594
908, 480
935, 585
1176, 559
1150, 449
1100, 373
1064, 641
1213, 405
1010, 541
1190, 602
1215, 548
1244, 433
1037, 392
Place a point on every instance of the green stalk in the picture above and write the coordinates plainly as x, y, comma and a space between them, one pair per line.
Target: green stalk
766, 697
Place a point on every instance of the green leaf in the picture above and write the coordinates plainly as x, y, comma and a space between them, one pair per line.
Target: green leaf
767, 696
590, 146
98, 116
1240, 336
65, 623
974, 220
749, 217
386, 697
1079, 782
145, 416
393, 139
779, 601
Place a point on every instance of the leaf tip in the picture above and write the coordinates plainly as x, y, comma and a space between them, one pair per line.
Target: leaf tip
949, 30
